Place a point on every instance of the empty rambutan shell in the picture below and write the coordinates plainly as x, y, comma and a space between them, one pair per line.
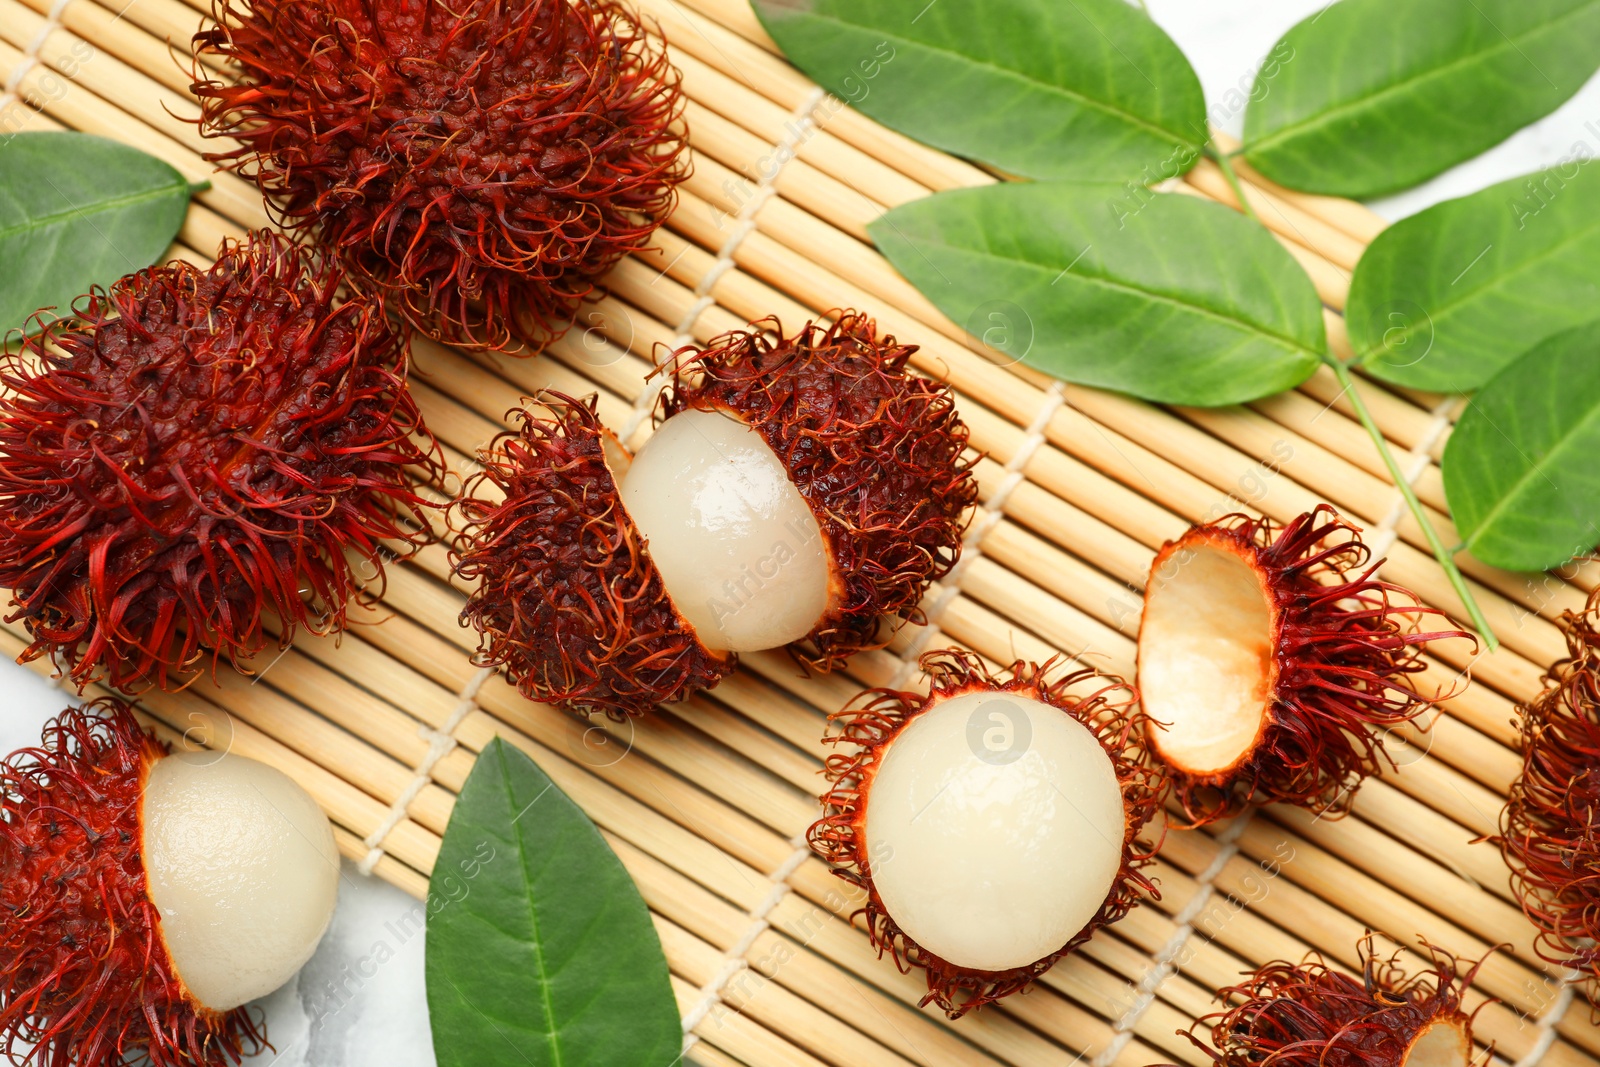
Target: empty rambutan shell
192, 449
798, 491
145, 897
1272, 662
994, 824
1309, 1015
479, 165
1550, 829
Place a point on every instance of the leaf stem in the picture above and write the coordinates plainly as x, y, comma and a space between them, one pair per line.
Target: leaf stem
1441, 552
1222, 161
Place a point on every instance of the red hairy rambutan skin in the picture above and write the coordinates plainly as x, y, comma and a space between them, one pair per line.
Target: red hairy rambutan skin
193, 448
875, 450
84, 972
479, 165
873, 720
1346, 647
567, 599
1312, 1016
1550, 829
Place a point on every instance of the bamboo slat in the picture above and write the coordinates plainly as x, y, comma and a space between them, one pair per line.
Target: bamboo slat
704, 801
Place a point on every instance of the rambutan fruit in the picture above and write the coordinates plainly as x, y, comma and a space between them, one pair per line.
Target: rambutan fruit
1312, 1016
994, 824
1272, 662
191, 448
479, 165
798, 491
145, 897
1550, 829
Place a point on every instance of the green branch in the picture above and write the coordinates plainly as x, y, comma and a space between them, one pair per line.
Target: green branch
1441, 552
1222, 161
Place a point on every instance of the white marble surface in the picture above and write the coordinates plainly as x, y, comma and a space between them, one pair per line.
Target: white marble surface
360, 1002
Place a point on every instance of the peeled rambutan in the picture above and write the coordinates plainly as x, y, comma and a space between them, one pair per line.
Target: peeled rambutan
145, 897
1272, 662
1550, 829
1312, 1016
994, 824
478, 165
798, 491
192, 448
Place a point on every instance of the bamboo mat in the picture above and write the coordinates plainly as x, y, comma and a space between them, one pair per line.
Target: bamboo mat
706, 802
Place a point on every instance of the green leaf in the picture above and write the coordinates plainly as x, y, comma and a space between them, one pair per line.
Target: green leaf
1369, 97
1167, 297
1446, 298
1090, 89
78, 211
1520, 470
540, 951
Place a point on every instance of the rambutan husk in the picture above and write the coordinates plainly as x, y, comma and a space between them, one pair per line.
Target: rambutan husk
870, 724
478, 165
1308, 1015
1550, 829
875, 450
192, 449
567, 599
84, 972
1331, 676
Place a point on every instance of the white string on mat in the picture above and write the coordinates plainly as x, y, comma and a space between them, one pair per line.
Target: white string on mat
1163, 964
994, 512
30, 54
734, 961
1549, 1020
797, 130
1417, 461
441, 742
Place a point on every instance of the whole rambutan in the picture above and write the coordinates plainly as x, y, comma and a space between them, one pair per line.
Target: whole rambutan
994, 824
798, 491
1550, 830
1312, 1016
192, 448
1270, 658
478, 165
145, 897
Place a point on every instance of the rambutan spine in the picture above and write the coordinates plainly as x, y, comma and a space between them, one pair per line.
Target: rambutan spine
1332, 676
1311, 1015
871, 723
478, 166
84, 974
877, 452
1550, 828
192, 449
566, 599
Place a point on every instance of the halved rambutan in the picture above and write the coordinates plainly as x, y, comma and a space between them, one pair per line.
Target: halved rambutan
994, 824
797, 491
193, 448
1550, 830
1270, 658
144, 898
1312, 1016
478, 165
567, 599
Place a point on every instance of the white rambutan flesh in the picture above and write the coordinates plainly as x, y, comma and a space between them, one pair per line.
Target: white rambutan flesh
1443, 1043
1207, 668
242, 866
739, 550
996, 827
